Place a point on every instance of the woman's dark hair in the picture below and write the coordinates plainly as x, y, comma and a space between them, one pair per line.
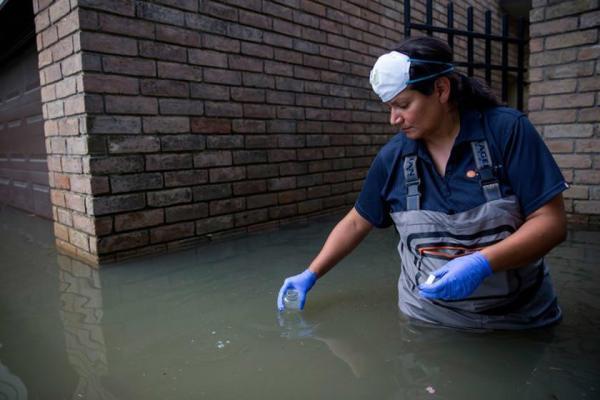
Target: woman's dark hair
465, 92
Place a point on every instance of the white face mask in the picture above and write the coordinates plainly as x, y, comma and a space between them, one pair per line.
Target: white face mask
391, 74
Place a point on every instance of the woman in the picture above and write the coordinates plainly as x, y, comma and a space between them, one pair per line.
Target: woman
473, 192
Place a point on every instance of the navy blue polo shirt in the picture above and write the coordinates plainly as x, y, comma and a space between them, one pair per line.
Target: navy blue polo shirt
525, 168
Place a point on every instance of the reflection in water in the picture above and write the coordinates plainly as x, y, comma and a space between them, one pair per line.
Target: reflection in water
11, 387
81, 314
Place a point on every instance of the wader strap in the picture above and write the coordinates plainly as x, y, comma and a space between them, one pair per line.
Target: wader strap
487, 178
411, 176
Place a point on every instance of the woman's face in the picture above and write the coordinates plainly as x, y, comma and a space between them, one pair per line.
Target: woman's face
417, 115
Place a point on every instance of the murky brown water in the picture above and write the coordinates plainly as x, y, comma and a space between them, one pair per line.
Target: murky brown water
202, 324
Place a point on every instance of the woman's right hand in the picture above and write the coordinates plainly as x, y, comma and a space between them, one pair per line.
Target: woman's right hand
302, 283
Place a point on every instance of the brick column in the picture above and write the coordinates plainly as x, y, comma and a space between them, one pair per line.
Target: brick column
64, 104
564, 96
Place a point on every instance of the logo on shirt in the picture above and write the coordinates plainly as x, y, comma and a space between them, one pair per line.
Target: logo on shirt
480, 148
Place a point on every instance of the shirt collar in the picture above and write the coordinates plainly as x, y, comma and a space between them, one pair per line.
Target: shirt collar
470, 130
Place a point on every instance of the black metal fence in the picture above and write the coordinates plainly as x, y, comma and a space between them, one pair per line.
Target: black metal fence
504, 38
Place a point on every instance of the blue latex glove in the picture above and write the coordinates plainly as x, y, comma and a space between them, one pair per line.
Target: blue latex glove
302, 283
457, 279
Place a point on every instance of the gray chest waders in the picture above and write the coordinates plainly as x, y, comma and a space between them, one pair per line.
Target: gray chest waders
515, 299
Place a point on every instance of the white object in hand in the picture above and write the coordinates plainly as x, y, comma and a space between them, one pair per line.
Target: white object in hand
291, 300
430, 279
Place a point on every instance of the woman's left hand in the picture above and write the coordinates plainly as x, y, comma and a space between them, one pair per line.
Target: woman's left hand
458, 279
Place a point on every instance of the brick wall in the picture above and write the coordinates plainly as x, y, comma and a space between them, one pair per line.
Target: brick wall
174, 122
565, 96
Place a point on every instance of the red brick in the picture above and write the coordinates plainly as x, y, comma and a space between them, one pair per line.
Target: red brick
62, 49
228, 174
221, 43
181, 107
249, 156
293, 168
72, 165
249, 187
262, 171
119, 164
129, 66
207, 58
169, 197
84, 223
187, 212
251, 217
211, 125
259, 111
255, 19
221, 109
131, 105
182, 72
310, 180
139, 219
209, 92
259, 80
553, 116
260, 141
283, 127
185, 178
183, 142
283, 211
248, 126
165, 162
158, 13
64, 216
291, 196
577, 100
225, 142
135, 182
166, 124
209, 225
122, 7
211, 192
75, 202
178, 35
79, 239
125, 26
172, 232
278, 40
134, 144
310, 206
227, 206
101, 83
122, 241
248, 95
227, 77
166, 88
103, 43
212, 159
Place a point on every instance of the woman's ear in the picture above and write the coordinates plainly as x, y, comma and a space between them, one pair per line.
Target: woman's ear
442, 89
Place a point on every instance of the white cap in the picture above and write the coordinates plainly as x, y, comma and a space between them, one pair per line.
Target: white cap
390, 75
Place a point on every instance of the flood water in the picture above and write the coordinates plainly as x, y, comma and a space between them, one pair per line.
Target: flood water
203, 324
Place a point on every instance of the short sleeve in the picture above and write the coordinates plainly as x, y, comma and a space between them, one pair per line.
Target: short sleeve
531, 170
370, 203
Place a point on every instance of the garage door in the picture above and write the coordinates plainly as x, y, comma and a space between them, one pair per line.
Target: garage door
23, 168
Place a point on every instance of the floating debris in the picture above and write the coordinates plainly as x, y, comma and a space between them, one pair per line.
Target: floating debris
430, 390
